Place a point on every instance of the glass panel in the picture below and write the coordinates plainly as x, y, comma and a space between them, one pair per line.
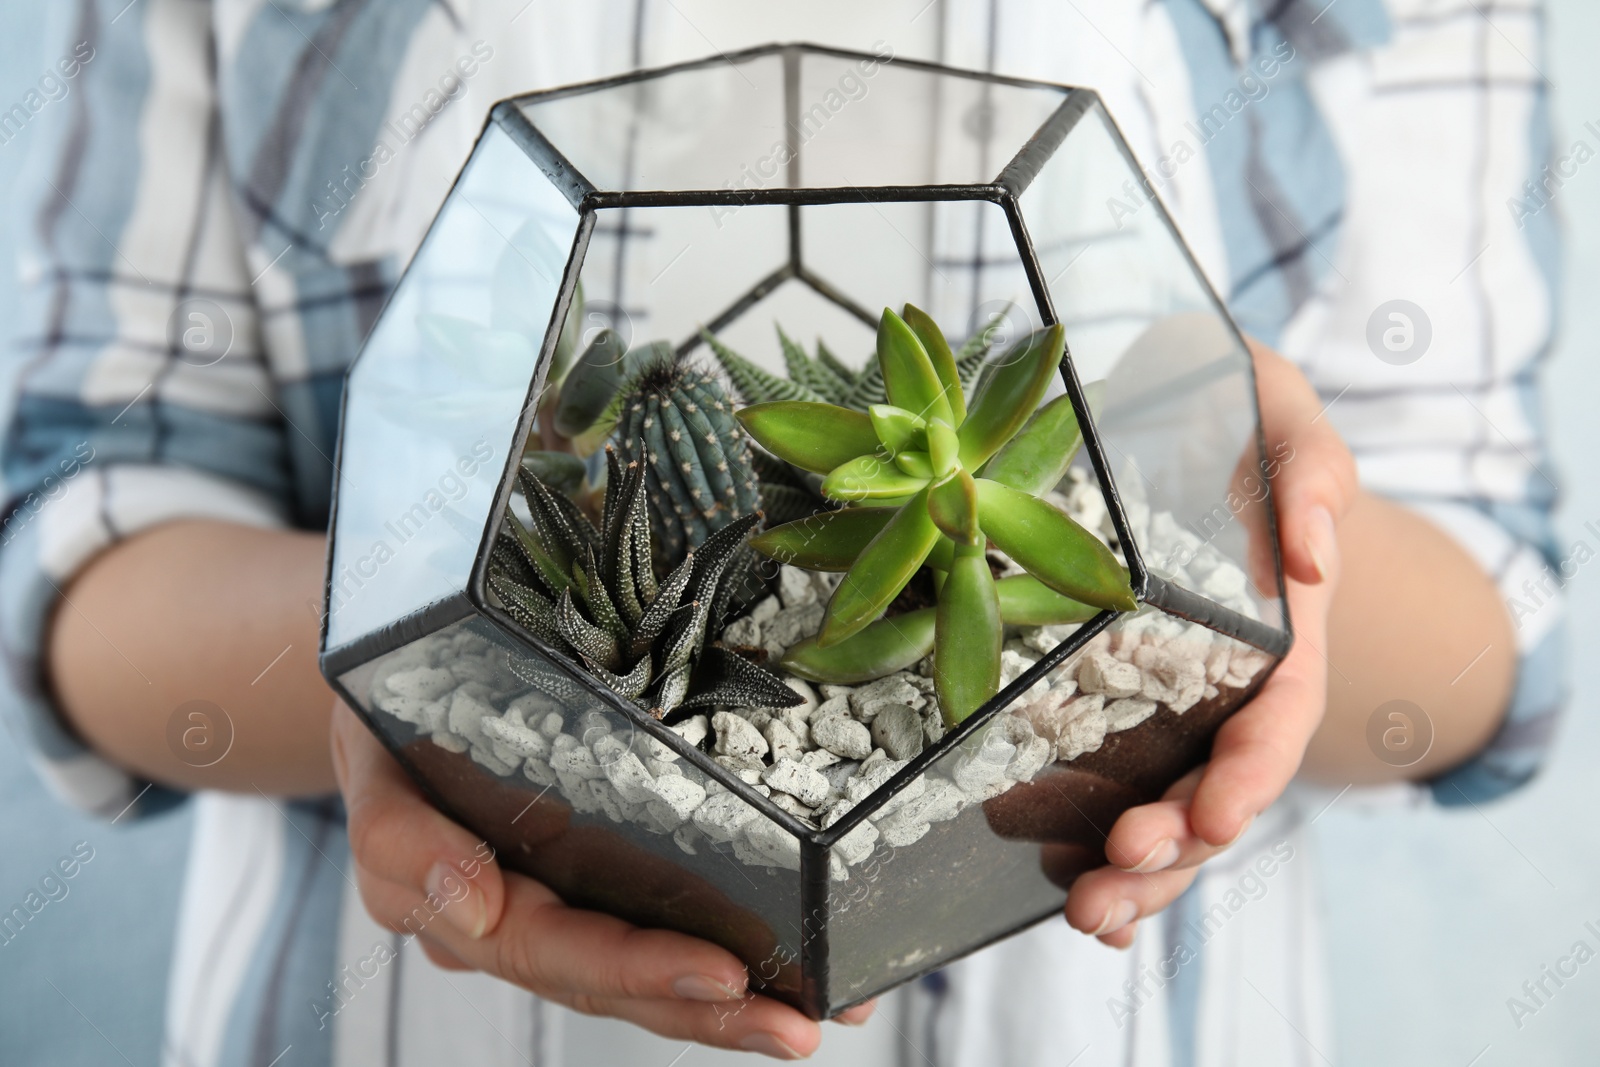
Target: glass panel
854, 122
992, 832
570, 791
660, 273
435, 395
695, 129
1178, 416
861, 123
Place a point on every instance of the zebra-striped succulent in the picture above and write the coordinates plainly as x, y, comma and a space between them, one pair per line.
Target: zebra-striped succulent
824, 378
593, 593
677, 422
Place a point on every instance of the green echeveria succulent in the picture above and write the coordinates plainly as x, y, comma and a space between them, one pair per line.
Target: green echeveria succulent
930, 480
593, 593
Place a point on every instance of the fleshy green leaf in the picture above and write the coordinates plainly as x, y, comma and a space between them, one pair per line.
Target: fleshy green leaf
1037, 458
880, 572
1026, 601
916, 464
898, 429
939, 354
883, 647
944, 448
1051, 547
827, 541
1010, 394
908, 374
953, 506
814, 437
591, 384
966, 649
870, 478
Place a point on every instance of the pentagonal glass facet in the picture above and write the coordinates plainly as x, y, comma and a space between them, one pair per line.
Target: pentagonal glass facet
865, 833
433, 403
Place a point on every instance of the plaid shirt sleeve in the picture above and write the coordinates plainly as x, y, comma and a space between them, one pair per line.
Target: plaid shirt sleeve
138, 389
1444, 130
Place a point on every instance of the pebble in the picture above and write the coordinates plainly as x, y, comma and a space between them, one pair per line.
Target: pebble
1128, 712
858, 844
1100, 673
842, 736
789, 627
764, 610
871, 698
425, 683
795, 588
798, 780
897, 729
737, 737
631, 781
744, 631
693, 729
782, 742
722, 816
984, 765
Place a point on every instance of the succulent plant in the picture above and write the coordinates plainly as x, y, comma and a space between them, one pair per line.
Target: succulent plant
593, 593
677, 421
927, 480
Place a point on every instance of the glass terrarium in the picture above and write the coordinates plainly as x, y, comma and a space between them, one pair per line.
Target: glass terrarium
791, 499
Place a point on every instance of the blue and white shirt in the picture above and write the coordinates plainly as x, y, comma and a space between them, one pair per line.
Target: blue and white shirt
208, 154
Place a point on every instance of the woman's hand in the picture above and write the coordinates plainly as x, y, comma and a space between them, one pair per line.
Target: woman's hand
1156, 849
412, 861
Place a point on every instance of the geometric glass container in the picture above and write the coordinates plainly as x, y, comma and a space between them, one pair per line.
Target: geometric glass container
807, 186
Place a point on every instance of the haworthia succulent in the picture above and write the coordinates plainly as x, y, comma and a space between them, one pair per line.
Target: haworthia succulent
753, 384
809, 373
648, 641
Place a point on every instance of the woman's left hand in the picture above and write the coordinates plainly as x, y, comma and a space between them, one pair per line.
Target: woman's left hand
1156, 849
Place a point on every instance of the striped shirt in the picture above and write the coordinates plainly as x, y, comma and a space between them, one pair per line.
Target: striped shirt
218, 159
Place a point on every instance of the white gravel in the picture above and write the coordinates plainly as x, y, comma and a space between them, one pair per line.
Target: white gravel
819, 760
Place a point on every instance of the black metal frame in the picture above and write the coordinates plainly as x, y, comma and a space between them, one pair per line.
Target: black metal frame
1005, 191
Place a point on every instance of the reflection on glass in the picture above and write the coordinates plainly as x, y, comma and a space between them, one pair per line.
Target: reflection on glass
435, 396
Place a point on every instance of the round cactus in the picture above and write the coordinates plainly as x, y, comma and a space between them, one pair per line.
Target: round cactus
697, 464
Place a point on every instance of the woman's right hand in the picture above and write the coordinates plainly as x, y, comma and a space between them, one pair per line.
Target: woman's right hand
408, 857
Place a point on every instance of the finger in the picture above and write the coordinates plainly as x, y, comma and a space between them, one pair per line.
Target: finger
397, 835
1106, 900
754, 1024
549, 948
441, 957
1258, 749
1122, 938
1314, 477
858, 1015
1154, 837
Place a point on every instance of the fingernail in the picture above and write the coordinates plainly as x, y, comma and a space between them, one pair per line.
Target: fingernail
1118, 915
467, 912
1164, 855
704, 987
1240, 834
1320, 539
769, 1045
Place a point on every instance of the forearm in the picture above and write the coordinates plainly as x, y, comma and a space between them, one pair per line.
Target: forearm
1415, 618
200, 611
